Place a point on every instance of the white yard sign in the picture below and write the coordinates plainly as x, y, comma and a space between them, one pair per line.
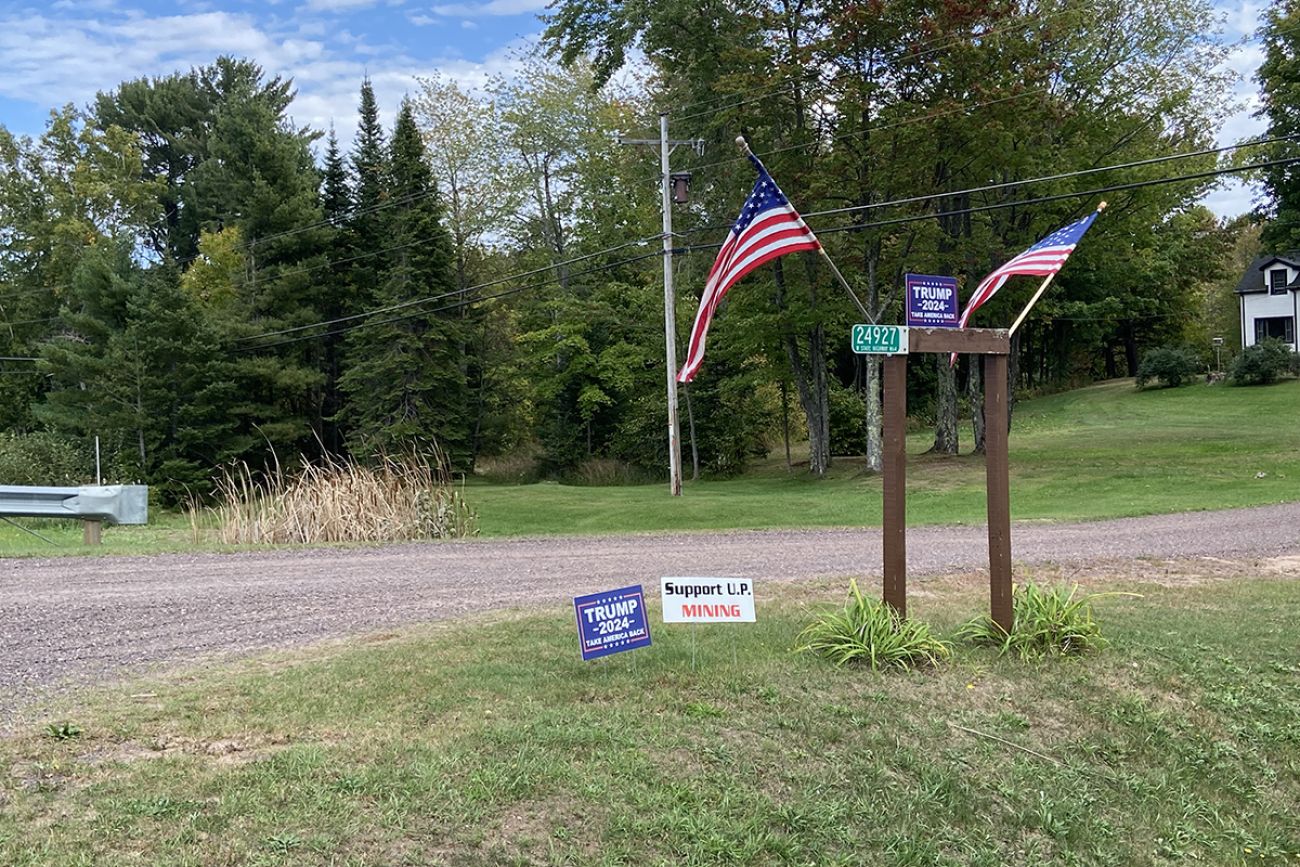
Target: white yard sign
708, 600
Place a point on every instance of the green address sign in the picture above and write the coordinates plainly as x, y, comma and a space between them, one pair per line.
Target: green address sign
880, 339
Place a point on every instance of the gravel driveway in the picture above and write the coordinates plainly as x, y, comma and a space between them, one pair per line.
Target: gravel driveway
77, 620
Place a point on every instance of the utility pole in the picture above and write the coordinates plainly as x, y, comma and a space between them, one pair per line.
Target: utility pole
666, 147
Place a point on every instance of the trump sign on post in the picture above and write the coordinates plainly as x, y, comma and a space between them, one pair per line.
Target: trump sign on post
708, 600
612, 622
931, 301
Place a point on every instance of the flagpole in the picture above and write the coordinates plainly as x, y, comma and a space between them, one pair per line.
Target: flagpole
744, 146
1039, 294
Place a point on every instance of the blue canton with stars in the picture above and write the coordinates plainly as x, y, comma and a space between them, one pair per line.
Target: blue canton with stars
766, 196
1069, 236
612, 622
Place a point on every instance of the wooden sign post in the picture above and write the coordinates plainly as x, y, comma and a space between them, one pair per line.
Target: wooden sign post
994, 345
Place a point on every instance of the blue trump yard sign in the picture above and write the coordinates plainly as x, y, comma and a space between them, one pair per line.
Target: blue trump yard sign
612, 622
931, 301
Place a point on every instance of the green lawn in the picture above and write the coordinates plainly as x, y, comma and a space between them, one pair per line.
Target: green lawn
1099, 452
487, 742
1104, 451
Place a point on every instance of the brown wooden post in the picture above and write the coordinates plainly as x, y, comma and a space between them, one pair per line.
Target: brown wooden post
894, 519
998, 483
90, 532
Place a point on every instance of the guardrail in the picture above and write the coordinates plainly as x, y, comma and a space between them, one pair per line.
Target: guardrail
96, 505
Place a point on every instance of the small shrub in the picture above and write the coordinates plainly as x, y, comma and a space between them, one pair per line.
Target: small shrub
63, 731
869, 632
1169, 366
513, 469
607, 472
1054, 621
1262, 363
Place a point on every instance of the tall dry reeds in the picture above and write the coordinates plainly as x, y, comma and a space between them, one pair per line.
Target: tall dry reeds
395, 499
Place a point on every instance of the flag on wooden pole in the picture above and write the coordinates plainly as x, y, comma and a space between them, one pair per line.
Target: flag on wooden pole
1043, 259
768, 227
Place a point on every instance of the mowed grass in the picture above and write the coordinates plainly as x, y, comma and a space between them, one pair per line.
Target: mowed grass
488, 743
1100, 452
1105, 451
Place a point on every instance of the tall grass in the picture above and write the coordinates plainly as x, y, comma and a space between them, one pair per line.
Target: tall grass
1046, 621
396, 499
869, 632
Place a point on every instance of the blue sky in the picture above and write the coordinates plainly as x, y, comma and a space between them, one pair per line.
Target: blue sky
52, 53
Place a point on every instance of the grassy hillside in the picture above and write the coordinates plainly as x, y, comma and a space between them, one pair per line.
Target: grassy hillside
488, 743
1099, 452
1104, 451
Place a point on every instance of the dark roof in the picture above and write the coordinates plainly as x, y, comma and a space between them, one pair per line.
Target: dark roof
1252, 281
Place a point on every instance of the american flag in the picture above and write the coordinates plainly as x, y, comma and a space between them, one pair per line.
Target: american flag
767, 227
1044, 258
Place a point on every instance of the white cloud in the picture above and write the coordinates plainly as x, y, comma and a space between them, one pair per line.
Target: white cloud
1230, 199
337, 5
422, 20
492, 7
51, 61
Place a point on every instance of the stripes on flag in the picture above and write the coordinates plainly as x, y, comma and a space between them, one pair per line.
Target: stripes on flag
768, 227
1041, 260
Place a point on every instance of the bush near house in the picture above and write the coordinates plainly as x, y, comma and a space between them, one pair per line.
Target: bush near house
1168, 366
1263, 363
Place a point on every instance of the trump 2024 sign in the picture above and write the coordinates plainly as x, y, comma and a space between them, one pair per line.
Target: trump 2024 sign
931, 301
612, 622
708, 600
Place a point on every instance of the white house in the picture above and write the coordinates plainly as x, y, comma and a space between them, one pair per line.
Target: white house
1270, 299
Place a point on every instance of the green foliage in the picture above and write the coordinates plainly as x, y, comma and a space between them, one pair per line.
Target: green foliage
1262, 363
1051, 621
405, 379
869, 632
1279, 80
44, 458
1167, 365
63, 731
848, 421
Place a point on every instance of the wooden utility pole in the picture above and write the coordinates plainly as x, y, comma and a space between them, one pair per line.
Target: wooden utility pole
666, 147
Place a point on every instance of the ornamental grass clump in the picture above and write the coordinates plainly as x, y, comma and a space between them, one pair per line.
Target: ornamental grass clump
404, 498
1046, 621
869, 632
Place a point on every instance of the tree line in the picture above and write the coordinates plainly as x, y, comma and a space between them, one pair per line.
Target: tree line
203, 280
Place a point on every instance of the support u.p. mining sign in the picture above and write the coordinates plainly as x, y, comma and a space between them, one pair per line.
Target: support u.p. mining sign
612, 622
708, 600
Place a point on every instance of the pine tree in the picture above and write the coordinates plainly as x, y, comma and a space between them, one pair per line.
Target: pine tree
404, 381
336, 202
370, 166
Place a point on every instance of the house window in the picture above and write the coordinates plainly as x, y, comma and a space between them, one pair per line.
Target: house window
1278, 327
1277, 281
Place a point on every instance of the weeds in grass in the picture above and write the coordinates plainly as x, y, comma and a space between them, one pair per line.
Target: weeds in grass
869, 632
63, 731
1046, 621
395, 499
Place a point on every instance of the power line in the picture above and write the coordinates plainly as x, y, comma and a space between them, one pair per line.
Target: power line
1057, 177
430, 298
1017, 183
457, 306
1062, 196
827, 231
855, 227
